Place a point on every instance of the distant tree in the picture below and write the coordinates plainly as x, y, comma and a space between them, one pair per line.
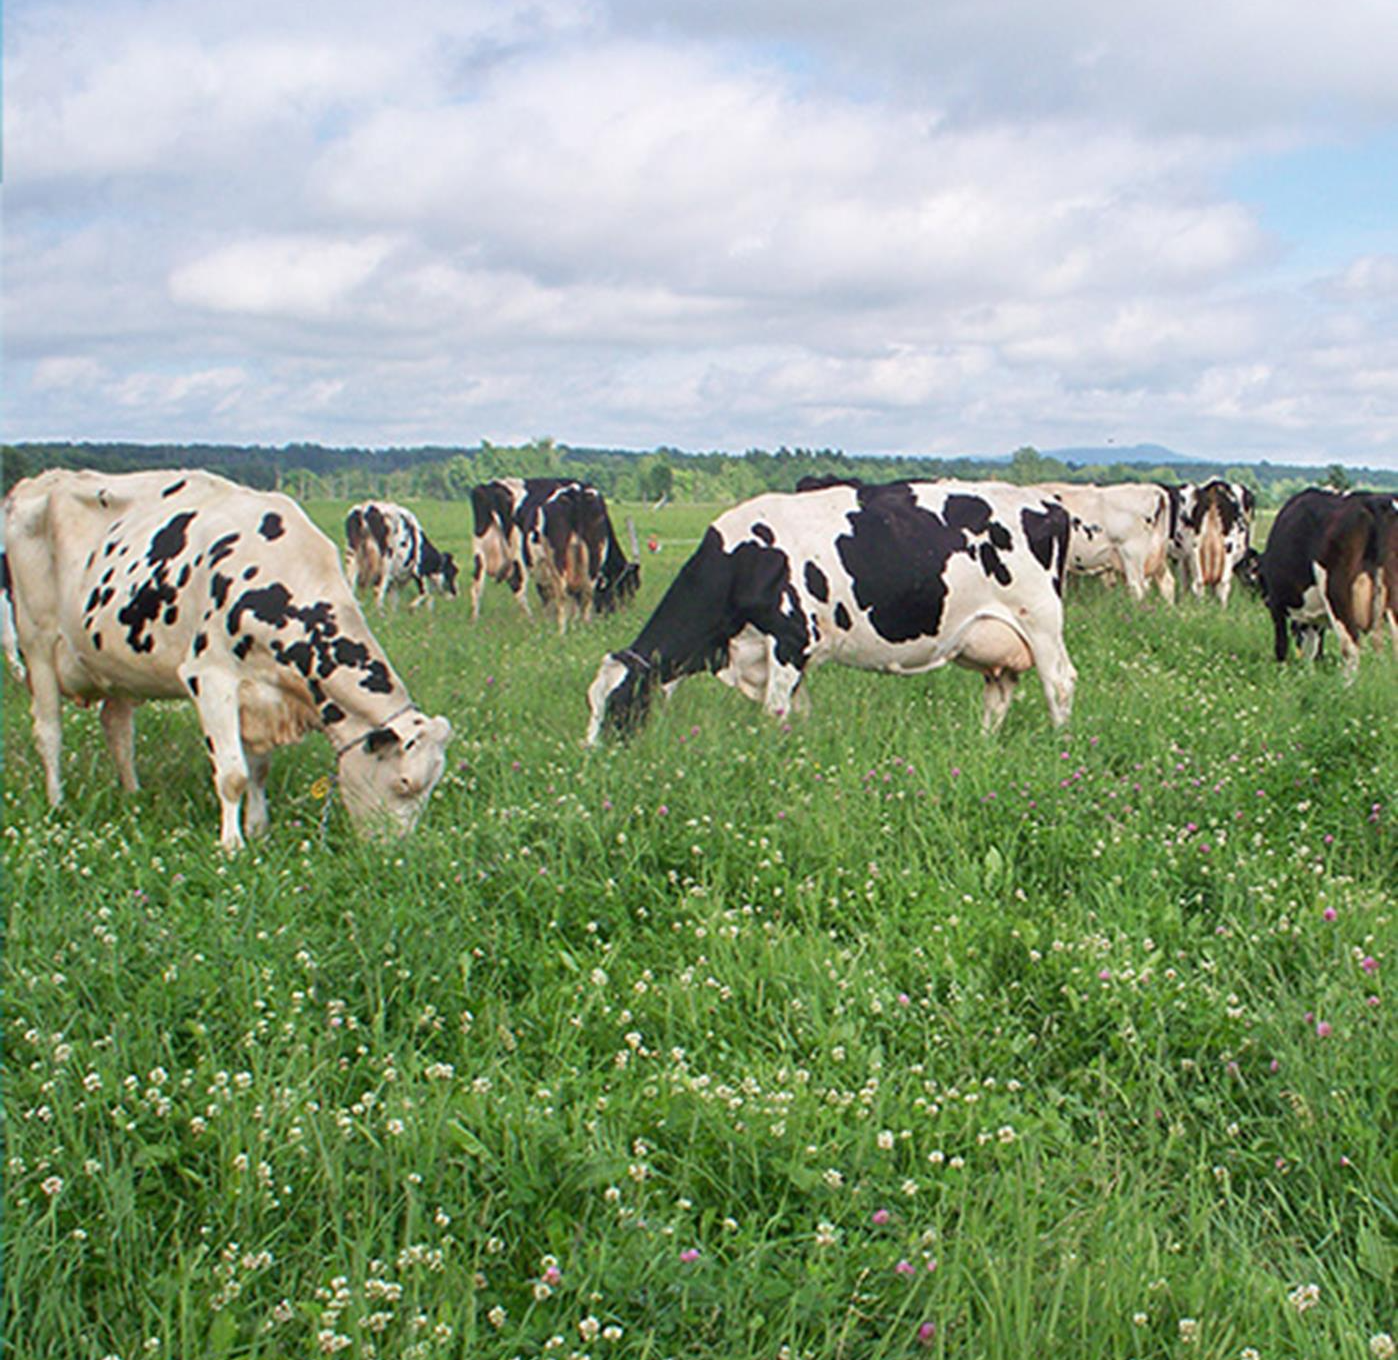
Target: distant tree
1028, 465
1337, 478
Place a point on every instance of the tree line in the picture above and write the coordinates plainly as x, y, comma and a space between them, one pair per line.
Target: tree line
314, 472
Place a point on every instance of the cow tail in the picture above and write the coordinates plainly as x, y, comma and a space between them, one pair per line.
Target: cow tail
575, 573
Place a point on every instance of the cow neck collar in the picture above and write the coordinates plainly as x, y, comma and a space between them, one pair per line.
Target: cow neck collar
343, 749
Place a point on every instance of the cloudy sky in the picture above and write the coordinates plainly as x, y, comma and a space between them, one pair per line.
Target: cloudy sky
926, 226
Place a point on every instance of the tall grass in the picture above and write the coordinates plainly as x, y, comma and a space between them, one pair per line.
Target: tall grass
857, 1036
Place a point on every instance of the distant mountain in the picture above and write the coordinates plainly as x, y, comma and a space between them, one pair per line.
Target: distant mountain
1120, 453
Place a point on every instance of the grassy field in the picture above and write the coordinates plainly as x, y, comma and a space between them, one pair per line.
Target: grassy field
860, 1037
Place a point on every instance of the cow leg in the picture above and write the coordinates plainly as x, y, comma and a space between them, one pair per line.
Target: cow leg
258, 766
1165, 582
1281, 645
1135, 576
999, 692
119, 728
1311, 640
1225, 583
45, 702
477, 585
217, 703
519, 584
1056, 671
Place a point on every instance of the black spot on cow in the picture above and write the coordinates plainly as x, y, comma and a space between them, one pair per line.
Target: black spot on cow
842, 618
91, 558
171, 614
332, 713
271, 526
347, 652
299, 654
201, 641
221, 548
967, 512
376, 680
218, 592
107, 576
182, 579
249, 573
141, 610
817, 583
97, 641
1038, 530
268, 604
896, 554
992, 564
193, 683
93, 600
764, 534
173, 489
243, 646
169, 540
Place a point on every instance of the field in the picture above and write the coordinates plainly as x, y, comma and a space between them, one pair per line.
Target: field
862, 1036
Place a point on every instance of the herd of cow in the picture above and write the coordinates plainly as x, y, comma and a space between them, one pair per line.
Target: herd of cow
115, 589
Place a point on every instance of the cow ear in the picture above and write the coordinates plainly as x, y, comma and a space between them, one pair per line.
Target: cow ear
379, 739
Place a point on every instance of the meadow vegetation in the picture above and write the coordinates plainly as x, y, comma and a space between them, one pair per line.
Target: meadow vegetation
858, 1036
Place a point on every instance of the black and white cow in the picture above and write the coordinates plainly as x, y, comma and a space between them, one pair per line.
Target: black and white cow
900, 578
1212, 534
1122, 529
388, 547
558, 530
1327, 563
167, 585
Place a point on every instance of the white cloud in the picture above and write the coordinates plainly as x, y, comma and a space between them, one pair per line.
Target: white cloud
278, 276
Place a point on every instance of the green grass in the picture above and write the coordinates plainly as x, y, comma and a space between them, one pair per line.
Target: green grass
822, 1003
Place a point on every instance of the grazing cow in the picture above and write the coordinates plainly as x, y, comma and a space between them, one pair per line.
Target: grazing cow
1121, 528
1213, 534
387, 547
1326, 563
1384, 504
899, 578
166, 585
557, 529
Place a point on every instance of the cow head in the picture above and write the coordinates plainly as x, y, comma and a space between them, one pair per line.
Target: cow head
387, 775
620, 695
1248, 569
615, 590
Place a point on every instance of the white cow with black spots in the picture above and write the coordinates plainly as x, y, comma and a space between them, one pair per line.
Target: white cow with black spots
167, 585
899, 578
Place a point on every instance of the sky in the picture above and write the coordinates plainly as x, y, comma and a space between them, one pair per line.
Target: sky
905, 226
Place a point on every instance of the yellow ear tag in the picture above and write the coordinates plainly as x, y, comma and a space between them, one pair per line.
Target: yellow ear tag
321, 788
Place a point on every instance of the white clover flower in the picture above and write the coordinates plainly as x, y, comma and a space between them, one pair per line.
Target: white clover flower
1189, 1330
1381, 1346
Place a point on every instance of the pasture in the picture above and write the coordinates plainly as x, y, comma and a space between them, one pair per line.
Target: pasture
858, 1036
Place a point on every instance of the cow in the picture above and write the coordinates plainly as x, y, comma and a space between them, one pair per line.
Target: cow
386, 547
179, 584
1327, 563
558, 530
899, 578
1122, 528
1212, 534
